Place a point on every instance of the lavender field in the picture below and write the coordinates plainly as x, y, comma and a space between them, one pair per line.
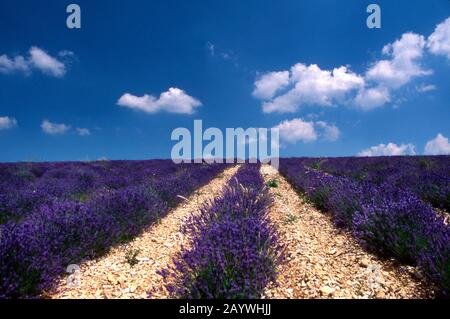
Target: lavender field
226, 231
395, 206
56, 214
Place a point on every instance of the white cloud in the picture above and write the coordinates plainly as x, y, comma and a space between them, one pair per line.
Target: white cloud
83, 131
404, 64
439, 41
287, 91
37, 59
295, 130
329, 132
269, 84
7, 123
390, 149
312, 85
9, 65
370, 98
46, 63
426, 88
438, 146
53, 128
174, 101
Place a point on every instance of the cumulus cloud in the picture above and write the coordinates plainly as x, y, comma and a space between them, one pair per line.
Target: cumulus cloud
46, 63
54, 128
16, 64
438, 146
404, 63
309, 84
173, 101
7, 122
370, 98
270, 83
330, 132
439, 41
83, 131
390, 149
287, 91
37, 59
295, 130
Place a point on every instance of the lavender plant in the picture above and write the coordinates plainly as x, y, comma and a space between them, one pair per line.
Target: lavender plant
58, 231
385, 217
234, 251
426, 176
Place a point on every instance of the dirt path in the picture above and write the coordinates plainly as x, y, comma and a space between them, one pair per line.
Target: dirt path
324, 262
112, 276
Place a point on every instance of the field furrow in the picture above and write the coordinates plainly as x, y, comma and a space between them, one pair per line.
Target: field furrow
233, 250
325, 262
130, 270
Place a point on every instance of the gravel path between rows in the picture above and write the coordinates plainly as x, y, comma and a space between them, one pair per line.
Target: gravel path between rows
111, 276
325, 262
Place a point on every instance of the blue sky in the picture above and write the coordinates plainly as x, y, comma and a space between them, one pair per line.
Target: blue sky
136, 70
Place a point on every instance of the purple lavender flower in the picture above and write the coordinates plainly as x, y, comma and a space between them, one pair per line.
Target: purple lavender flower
234, 249
45, 227
382, 201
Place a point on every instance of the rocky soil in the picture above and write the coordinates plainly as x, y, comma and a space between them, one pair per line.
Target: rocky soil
129, 271
321, 260
325, 262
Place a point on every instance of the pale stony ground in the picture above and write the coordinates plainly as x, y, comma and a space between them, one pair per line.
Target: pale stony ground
324, 262
321, 260
111, 276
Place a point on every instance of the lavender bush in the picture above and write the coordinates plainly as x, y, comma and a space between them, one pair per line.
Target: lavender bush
385, 217
62, 230
24, 187
395, 221
435, 259
426, 176
234, 249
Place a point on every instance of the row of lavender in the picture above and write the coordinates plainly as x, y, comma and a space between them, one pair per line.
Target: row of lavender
426, 176
385, 218
57, 228
24, 187
234, 249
